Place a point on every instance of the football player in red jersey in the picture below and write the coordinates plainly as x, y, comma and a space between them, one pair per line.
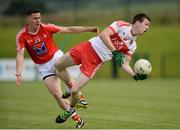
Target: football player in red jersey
37, 38
117, 41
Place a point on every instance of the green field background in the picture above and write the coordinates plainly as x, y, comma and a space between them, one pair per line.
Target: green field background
114, 104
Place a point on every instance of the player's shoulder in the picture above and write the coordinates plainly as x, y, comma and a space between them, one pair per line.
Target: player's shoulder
52, 28
48, 25
21, 32
122, 23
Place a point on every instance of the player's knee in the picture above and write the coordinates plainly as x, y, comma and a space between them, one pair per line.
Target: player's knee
74, 91
58, 66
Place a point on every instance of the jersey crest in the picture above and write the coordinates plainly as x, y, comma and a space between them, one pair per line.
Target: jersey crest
40, 48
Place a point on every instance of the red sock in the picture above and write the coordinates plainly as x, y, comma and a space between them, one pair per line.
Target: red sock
76, 117
81, 97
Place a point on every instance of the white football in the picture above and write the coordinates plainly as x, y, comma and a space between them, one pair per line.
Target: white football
142, 66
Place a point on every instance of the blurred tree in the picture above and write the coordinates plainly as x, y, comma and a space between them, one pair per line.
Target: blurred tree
17, 7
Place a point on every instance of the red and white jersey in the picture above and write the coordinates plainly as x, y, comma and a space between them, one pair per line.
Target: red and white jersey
122, 39
40, 45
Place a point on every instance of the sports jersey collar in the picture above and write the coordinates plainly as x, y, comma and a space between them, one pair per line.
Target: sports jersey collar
26, 27
131, 32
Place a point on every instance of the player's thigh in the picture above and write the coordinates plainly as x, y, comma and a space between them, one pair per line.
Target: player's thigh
53, 85
65, 76
64, 61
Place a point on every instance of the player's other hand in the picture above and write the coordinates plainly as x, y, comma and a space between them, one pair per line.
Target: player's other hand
18, 79
140, 77
95, 29
118, 57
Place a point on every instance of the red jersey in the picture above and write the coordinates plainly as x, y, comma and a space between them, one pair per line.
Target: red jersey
40, 45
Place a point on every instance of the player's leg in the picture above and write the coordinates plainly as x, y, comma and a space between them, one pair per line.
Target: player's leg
64, 62
90, 62
53, 85
80, 82
61, 65
65, 76
82, 103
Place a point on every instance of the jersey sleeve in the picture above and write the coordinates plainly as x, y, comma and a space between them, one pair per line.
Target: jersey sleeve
53, 28
113, 27
20, 42
116, 26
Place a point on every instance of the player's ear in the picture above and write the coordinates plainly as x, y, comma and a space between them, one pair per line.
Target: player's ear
137, 22
28, 18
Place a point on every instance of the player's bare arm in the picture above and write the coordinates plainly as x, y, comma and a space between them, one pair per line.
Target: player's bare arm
126, 67
19, 66
105, 37
79, 29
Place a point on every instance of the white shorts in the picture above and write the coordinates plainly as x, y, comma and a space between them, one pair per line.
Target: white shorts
47, 69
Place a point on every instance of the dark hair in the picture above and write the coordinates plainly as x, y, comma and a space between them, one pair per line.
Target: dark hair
30, 11
140, 17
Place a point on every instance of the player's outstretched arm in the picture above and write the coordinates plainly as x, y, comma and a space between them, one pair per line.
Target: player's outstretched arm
126, 67
19, 66
79, 29
105, 37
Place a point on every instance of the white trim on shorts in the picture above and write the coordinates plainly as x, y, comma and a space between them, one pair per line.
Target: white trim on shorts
47, 69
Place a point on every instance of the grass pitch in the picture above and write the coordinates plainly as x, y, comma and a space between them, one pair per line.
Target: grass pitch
118, 104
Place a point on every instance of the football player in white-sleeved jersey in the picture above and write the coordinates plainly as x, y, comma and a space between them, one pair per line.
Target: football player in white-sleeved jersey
121, 38
117, 41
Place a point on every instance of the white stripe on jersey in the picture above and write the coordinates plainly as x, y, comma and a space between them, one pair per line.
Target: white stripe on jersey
17, 38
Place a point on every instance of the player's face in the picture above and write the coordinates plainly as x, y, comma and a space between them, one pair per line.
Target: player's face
34, 20
143, 27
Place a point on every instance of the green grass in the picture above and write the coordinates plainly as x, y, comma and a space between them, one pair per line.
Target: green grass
119, 103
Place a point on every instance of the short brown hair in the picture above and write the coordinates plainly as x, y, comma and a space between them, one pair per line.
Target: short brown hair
30, 11
140, 17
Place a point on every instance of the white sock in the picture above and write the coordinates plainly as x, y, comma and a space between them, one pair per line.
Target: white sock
70, 109
73, 114
68, 89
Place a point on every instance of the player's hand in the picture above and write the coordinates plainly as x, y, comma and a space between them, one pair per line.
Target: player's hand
118, 57
140, 77
95, 29
18, 79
